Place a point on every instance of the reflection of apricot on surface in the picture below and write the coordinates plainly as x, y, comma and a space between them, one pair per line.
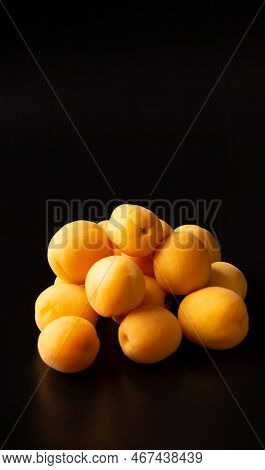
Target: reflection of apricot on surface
154, 294
69, 344
75, 248
145, 263
167, 230
135, 230
182, 264
228, 276
206, 238
149, 334
214, 317
114, 286
60, 300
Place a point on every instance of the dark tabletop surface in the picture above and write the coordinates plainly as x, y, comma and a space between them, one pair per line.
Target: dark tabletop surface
132, 81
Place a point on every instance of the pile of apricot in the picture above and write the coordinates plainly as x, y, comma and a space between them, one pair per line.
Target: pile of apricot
126, 268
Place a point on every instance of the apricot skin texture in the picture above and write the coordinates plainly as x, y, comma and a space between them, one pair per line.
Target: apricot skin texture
145, 263
61, 300
154, 294
206, 238
228, 276
149, 334
68, 344
182, 264
135, 230
214, 317
114, 286
75, 248
167, 230
58, 280
104, 224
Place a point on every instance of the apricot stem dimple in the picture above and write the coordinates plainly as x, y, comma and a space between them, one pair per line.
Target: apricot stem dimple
149, 334
125, 338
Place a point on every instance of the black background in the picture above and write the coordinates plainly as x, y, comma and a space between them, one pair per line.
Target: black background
132, 80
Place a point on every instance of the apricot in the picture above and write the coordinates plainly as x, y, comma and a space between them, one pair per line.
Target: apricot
206, 238
75, 248
214, 317
114, 286
145, 263
62, 300
167, 230
182, 264
104, 224
149, 334
58, 280
68, 344
135, 230
154, 294
226, 275
116, 251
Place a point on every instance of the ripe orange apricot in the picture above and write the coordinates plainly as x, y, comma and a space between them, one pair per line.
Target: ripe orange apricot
58, 280
214, 317
226, 275
167, 230
75, 248
149, 334
104, 224
206, 238
68, 344
114, 286
145, 263
154, 294
135, 230
182, 264
60, 300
